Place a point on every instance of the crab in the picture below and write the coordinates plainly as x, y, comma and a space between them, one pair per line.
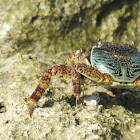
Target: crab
116, 65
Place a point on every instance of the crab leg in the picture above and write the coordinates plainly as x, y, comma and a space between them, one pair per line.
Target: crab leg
39, 91
93, 73
76, 85
61, 71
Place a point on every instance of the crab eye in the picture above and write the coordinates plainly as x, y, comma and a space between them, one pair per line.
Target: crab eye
98, 40
99, 43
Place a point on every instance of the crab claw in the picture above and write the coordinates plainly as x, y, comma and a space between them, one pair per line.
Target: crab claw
31, 106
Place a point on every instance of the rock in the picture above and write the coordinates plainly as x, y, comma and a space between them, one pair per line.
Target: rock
31, 32
50, 24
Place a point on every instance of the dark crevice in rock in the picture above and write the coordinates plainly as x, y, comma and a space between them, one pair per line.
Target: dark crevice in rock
74, 22
77, 121
72, 101
107, 8
34, 18
48, 104
2, 108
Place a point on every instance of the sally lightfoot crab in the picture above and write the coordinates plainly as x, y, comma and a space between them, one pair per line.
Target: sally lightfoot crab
116, 65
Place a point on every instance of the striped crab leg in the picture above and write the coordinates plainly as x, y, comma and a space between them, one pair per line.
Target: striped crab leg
61, 71
76, 85
39, 91
93, 73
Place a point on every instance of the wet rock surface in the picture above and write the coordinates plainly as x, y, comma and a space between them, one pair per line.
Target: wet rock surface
30, 33
56, 117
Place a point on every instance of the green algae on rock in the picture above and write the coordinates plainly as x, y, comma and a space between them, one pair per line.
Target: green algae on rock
64, 25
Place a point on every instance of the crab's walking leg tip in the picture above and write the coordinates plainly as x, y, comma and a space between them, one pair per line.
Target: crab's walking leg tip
84, 104
31, 107
81, 100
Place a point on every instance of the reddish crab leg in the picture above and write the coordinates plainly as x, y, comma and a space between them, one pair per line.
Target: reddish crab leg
76, 85
93, 74
89, 72
61, 71
39, 91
